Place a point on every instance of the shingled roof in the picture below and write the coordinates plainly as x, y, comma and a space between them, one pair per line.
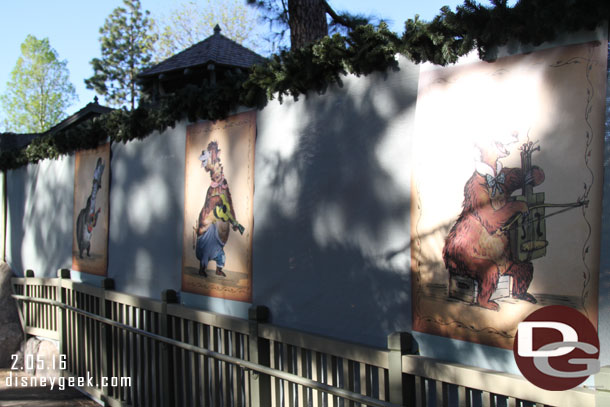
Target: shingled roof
86, 113
217, 49
11, 141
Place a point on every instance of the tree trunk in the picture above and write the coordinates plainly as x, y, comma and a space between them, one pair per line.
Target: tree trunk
307, 21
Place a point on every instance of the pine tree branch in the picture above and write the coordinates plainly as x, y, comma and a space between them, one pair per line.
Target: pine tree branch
337, 18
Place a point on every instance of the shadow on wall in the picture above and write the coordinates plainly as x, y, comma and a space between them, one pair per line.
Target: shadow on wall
146, 206
332, 240
40, 205
332, 209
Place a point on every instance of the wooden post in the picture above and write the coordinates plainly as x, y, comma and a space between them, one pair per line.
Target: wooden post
27, 305
61, 317
106, 337
61, 312
167, 297
402, 387
260, 384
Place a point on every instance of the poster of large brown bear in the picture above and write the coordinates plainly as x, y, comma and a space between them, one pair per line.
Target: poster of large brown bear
90, 224
507, 189
218, 208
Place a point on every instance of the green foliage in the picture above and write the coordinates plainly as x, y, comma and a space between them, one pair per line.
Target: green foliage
192, 22
453, 34
315, 67
364, 50
39, 91
126, 47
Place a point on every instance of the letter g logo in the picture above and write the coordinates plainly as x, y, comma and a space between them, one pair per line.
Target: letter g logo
556, 348
526, 338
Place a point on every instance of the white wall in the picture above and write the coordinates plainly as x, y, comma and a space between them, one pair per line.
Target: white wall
146, 201
39, 217
331, 208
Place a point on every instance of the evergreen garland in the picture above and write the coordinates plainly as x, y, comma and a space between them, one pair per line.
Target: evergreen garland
366, 49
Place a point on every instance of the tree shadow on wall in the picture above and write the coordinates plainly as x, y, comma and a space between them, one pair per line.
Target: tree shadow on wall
146, 204
332, 242
40, 205
332, 246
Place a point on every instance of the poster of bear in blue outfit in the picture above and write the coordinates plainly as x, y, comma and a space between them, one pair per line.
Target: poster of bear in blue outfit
219, 189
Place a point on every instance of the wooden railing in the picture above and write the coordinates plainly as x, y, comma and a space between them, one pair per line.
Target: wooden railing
178, 356
356, 368
452, 384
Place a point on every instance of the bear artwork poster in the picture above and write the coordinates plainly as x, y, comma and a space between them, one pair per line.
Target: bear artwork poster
90, 224
506, 214
218, 217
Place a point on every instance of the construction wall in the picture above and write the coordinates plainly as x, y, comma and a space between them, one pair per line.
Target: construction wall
331, 212
332, 217
332, 206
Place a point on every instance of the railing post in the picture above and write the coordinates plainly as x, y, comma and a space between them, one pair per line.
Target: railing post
167, 297
61, 312
106, 336
260, 384
402, 387
27, 305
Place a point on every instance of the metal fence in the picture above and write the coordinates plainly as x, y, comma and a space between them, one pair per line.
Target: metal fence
179, 356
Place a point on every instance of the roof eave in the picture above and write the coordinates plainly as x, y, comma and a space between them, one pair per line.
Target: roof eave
152, 75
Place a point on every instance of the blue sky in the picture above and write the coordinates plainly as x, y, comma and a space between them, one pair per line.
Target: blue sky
72, 27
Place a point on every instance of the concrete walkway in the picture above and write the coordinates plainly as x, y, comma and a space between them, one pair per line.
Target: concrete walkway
13, 396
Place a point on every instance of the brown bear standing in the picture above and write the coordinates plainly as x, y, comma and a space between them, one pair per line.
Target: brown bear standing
476, 246
213, 232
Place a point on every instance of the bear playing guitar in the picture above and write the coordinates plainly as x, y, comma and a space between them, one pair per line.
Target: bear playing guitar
224, 212
217, 216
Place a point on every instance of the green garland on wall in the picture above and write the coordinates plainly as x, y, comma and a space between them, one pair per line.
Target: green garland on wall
366, 49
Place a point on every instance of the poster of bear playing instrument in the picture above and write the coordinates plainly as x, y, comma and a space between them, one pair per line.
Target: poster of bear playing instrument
90, 224
218, 208
507, 191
